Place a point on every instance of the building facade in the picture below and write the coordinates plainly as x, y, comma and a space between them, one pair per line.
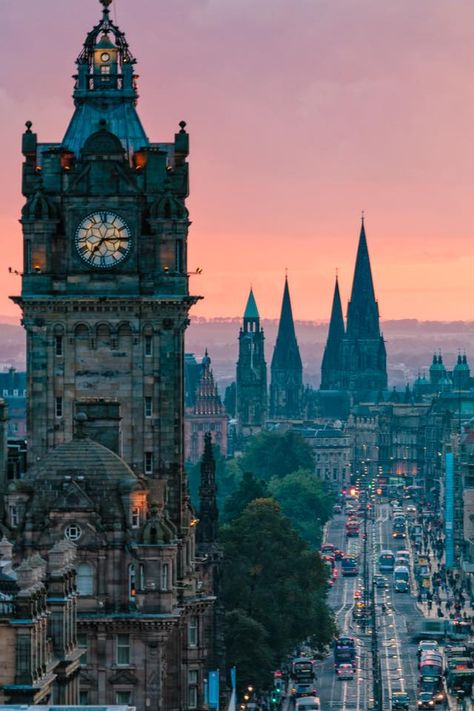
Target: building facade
105, 304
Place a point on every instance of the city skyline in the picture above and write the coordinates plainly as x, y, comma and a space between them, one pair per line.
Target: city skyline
287, 112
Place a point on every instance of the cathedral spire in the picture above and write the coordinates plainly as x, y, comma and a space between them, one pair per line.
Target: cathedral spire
208, 511
286, 388
363, 313
332, 358
287, 352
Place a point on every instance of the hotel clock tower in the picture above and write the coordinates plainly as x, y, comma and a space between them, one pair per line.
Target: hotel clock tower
105, 295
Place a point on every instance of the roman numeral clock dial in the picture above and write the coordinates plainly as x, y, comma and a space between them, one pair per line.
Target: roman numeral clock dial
103, 240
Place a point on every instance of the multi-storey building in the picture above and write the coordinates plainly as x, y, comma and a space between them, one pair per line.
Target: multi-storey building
105, 304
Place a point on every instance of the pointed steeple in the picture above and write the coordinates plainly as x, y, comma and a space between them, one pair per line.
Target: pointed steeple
363, 312
251, 310
208, 511
286, 388
332, 358
287, 352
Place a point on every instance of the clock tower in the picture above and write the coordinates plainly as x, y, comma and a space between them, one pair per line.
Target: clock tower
105, 296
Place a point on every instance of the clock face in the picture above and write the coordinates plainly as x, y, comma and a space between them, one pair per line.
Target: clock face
103, 239
105, 56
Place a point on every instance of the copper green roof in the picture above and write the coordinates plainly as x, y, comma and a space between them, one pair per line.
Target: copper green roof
251, 310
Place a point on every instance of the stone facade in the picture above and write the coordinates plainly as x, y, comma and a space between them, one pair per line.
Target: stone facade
39, 656
105, 304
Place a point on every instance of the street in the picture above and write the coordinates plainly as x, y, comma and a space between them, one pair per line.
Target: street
396, 651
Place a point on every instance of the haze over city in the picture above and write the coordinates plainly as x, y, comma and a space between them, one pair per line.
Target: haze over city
301, 115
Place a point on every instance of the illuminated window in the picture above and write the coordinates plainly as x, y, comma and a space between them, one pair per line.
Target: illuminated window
135, 517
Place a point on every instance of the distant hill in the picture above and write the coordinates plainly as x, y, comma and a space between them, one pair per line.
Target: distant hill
410, 345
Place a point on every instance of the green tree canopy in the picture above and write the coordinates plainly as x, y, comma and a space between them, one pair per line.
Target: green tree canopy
249, 489
243, 633
270, 454
304, 500
272, 576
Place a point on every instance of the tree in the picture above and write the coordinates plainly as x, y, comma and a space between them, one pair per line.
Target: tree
243, 633
305, 502
270, 454
249, 489
271, 575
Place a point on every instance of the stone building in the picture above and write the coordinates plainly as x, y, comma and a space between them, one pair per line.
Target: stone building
39, 654
204, 413
355, 356
286, 386
251, 378
105, 304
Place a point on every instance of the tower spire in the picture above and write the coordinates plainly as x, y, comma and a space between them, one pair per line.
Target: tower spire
286, 389
332, 358
362, 312
251, 310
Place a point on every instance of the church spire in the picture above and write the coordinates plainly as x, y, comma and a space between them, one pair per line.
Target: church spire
251, 310
208, 511
332, 358
286, 388
286, 353
362, 312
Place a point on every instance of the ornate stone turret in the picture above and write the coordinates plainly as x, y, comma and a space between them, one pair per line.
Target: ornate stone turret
251, 382
286, 389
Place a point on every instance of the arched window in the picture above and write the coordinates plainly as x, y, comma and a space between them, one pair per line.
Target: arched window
85, 579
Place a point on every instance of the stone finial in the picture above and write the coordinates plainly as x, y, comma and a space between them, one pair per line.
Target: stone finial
38, 565
6, 549
81, 425
25, 576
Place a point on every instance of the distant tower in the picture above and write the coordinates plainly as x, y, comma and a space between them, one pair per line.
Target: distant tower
331, 369
437, 370
206, 534
461, 374
364, 358
251, 372
286, 389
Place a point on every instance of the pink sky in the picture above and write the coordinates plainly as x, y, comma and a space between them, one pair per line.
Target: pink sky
301, 114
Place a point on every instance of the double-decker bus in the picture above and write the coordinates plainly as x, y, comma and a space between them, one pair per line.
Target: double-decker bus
303, 669
349, 565
344, 650
386, 561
